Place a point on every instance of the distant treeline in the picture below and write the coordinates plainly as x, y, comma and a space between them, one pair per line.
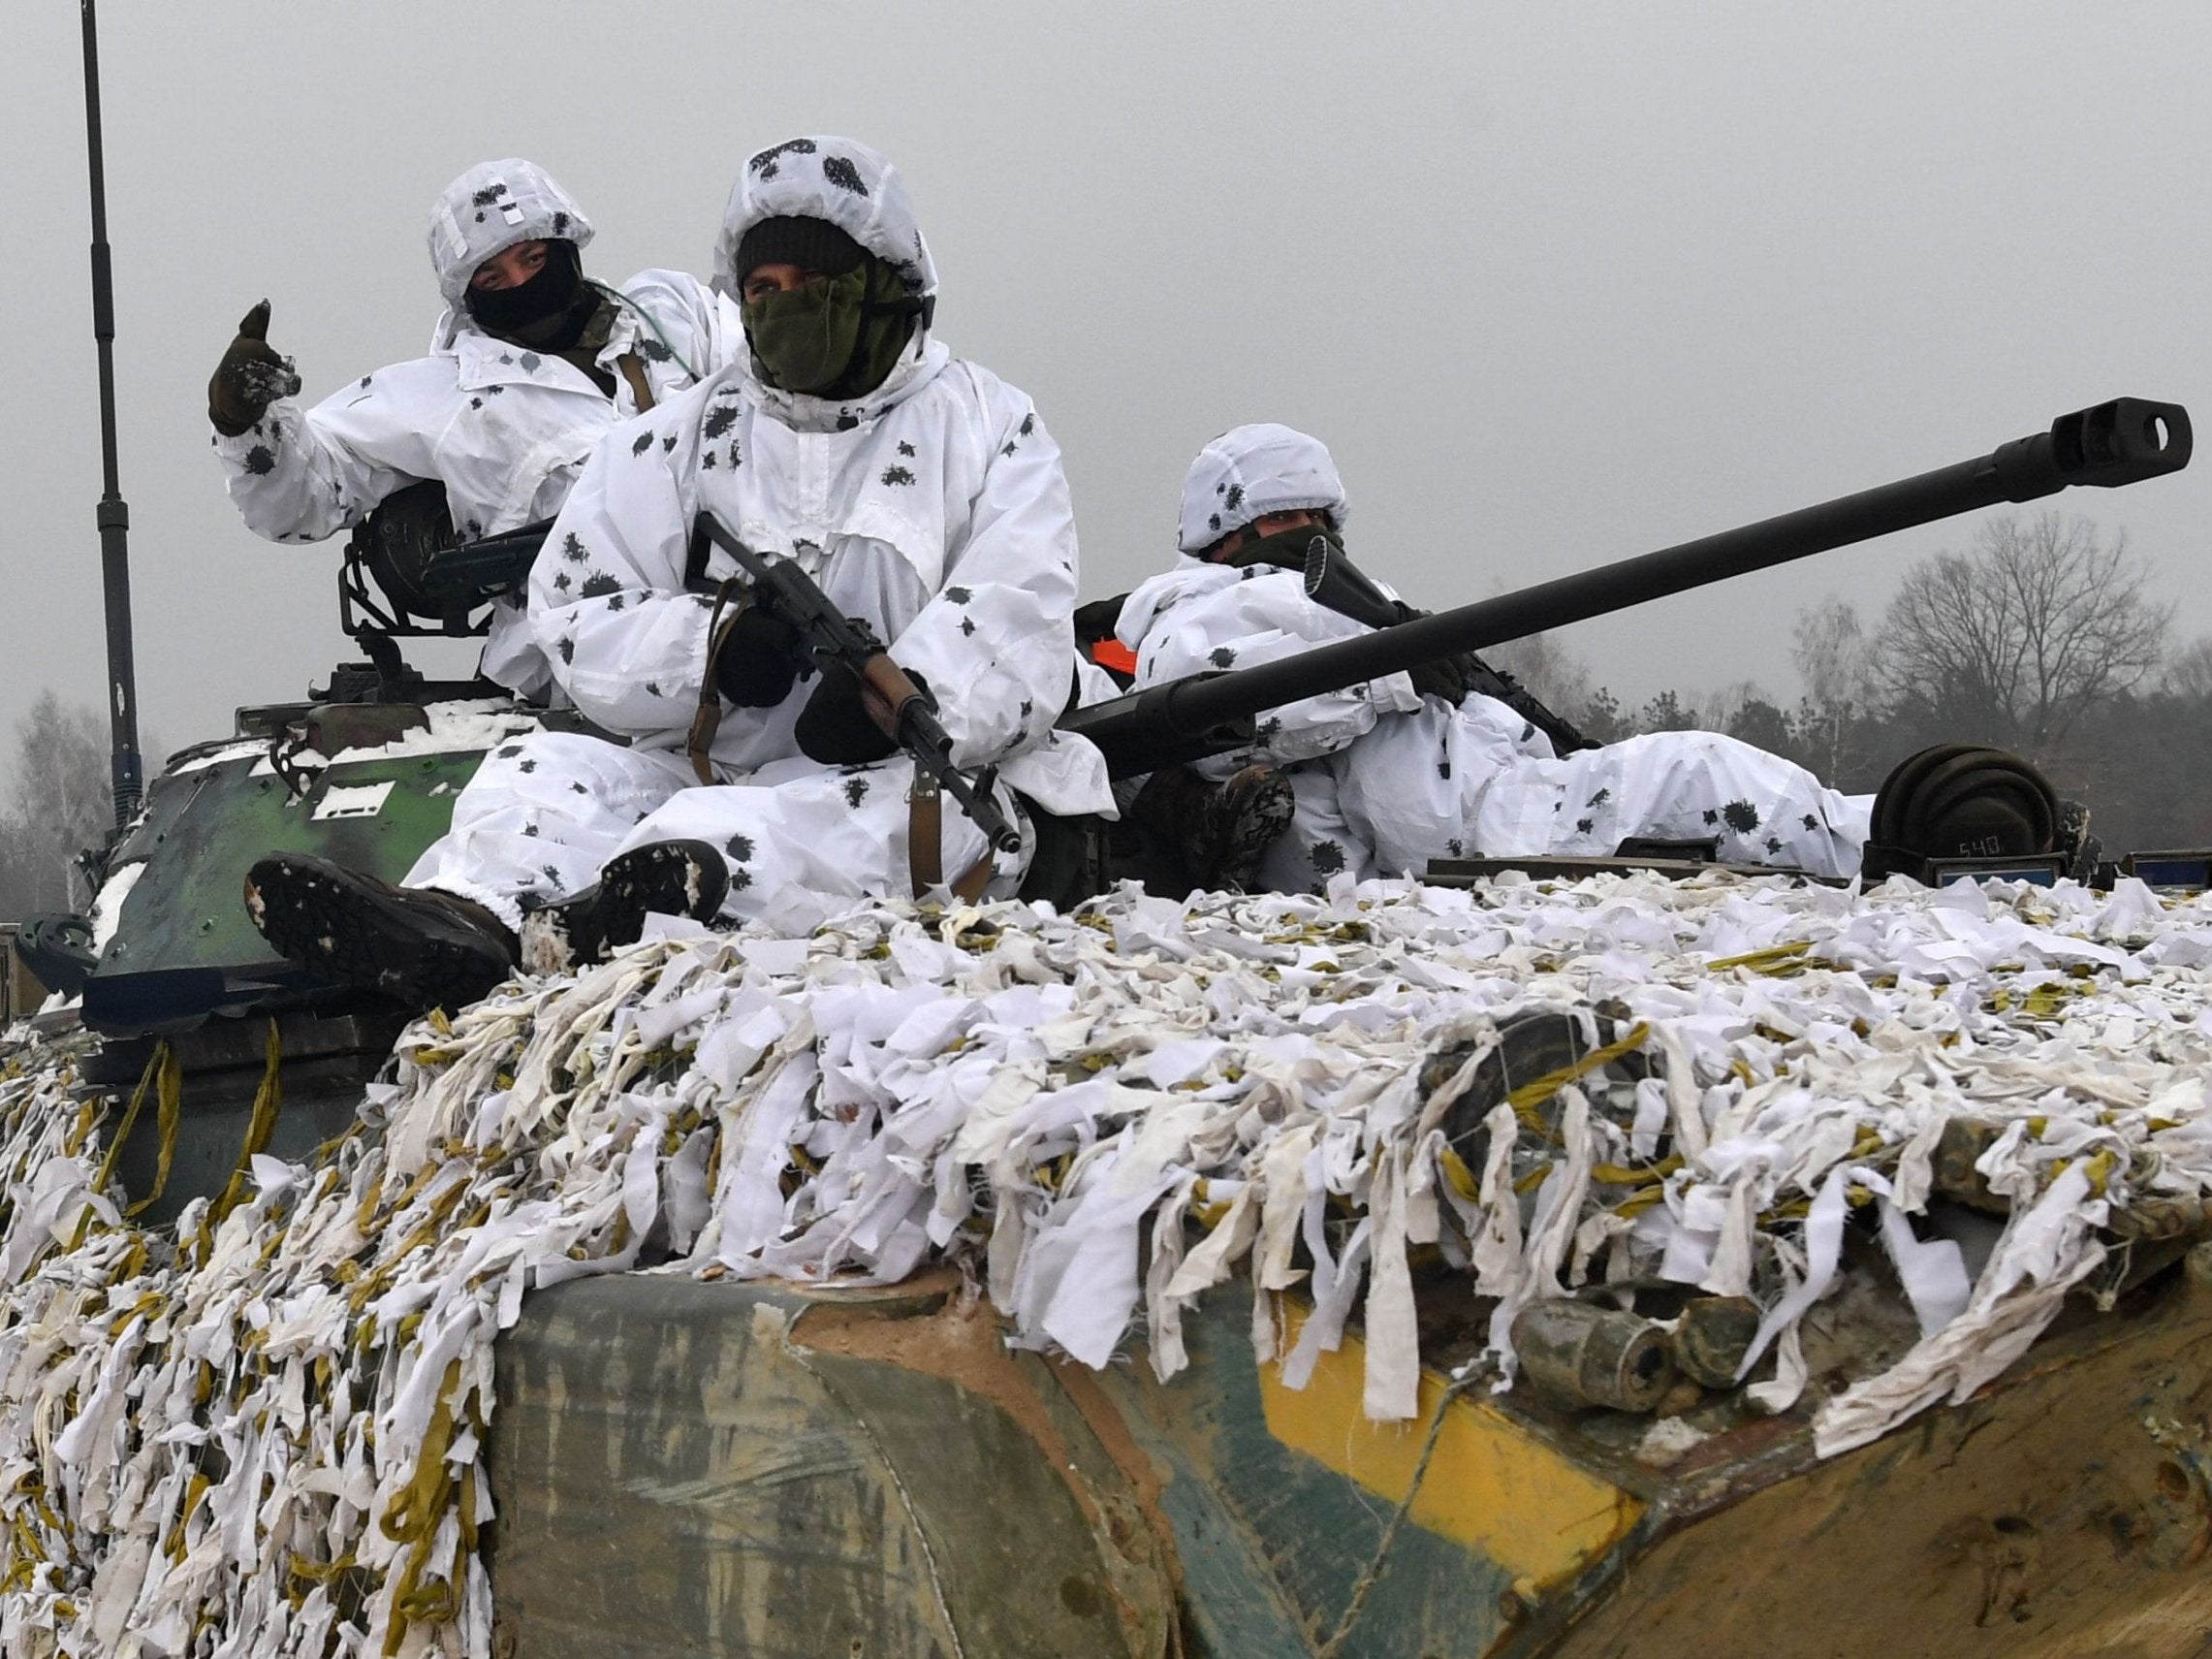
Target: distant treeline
57, 802
2041, 639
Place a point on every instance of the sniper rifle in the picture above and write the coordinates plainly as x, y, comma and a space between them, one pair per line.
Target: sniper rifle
2113, 444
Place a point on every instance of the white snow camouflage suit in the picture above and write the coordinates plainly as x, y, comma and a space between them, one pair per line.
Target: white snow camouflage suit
1387, 779
936, 508
505, 430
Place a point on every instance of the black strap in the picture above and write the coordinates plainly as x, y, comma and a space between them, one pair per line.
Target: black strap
695, 559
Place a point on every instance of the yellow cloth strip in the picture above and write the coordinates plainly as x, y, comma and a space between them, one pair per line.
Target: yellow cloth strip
267, 1103
130, 1117
1531, 1095
168, 1094
1766, 960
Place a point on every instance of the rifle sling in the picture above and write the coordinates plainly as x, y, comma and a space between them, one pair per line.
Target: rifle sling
925, 844
634, 372
706, 719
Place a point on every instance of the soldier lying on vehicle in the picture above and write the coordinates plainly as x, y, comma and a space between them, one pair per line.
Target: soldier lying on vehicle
1451, 761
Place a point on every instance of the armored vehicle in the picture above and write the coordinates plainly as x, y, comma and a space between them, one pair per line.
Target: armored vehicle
696, 1464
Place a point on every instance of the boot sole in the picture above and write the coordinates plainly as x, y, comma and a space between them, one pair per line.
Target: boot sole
673, 878
355, 930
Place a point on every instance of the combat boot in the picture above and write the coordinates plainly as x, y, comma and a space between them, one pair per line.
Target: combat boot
1218, 830
667, 878
421, 947
2082, 850
1241, 820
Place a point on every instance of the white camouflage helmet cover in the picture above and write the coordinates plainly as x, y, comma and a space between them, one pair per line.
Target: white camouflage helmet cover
493, 206
1251, 471
837, 180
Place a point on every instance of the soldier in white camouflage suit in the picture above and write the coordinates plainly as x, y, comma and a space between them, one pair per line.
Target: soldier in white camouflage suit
1393, 772
923, 495
529, 367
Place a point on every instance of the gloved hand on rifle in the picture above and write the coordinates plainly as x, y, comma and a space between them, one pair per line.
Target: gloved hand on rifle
760, 659
837, 726
251, 376
1450, 677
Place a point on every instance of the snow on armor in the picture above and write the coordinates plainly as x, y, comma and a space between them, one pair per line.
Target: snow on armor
505, 430
491, 207
934, 507
1387, 779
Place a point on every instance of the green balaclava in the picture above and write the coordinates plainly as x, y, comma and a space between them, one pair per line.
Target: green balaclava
838, 336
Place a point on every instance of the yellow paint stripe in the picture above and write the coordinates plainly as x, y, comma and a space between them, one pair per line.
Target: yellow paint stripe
1491, 1485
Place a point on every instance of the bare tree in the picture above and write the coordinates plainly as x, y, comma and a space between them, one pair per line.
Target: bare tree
2016, 640
2188, 673
58, 804
1833, 655
1836, 660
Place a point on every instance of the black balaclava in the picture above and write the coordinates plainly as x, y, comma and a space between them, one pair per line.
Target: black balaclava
548, 312
1284, 548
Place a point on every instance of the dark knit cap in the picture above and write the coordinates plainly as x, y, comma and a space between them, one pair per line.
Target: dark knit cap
811, 245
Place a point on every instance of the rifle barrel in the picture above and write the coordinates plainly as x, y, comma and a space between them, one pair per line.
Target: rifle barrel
2112, 444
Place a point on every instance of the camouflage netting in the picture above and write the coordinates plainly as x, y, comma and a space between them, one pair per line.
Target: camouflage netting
262, 1431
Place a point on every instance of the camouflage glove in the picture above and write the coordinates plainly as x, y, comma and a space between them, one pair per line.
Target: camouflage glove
250, 377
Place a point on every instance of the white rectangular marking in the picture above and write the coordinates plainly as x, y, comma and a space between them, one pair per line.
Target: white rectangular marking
352, 801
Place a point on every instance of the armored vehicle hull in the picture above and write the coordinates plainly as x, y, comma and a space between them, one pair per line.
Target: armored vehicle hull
681, 1464
693, 1469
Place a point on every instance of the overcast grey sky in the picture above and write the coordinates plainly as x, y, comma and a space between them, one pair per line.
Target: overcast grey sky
1558, 284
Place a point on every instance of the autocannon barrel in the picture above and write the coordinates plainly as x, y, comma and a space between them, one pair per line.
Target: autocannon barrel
2121, 442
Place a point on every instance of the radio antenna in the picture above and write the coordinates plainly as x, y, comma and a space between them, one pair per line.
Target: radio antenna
113, 514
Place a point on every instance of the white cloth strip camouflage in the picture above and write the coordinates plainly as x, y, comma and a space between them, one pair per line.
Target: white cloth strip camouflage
1023, 1092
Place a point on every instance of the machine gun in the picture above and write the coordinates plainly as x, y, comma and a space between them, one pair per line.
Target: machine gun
2121, 442
407, 574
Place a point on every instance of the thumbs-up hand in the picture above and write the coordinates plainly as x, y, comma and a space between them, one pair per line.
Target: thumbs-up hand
250, 377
